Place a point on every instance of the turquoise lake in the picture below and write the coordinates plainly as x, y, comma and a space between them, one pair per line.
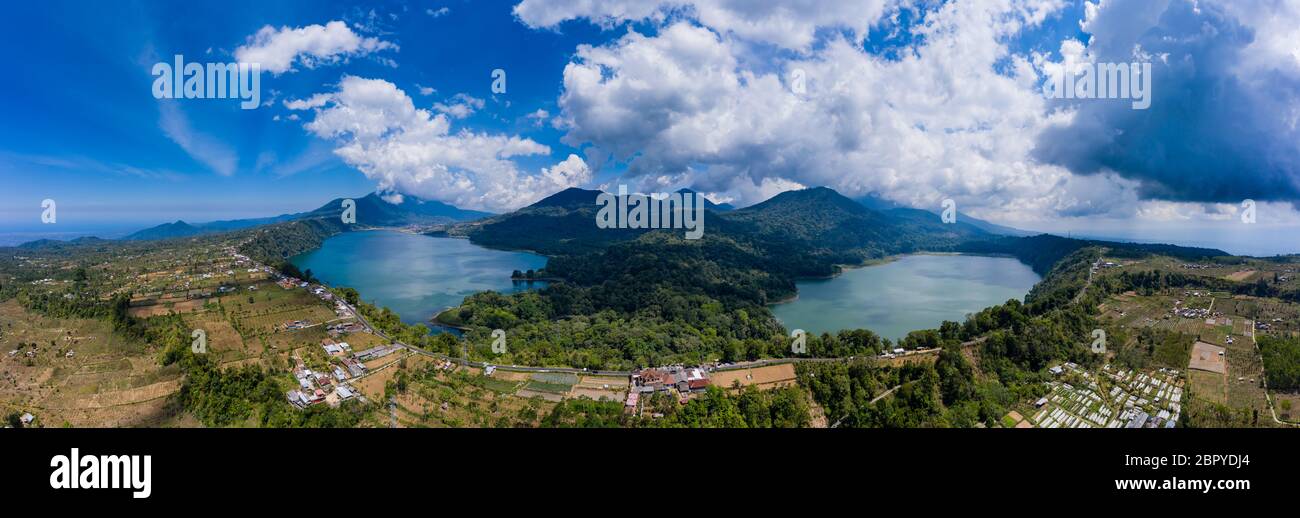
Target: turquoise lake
911, 293
415, 275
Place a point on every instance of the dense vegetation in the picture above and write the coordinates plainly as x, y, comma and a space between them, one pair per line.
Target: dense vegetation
274, 244
637, 298
249, 395
749, 408
391, 324
1281, 361
243, 396
1043, 251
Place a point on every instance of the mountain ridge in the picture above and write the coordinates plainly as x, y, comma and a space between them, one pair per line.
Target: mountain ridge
371, 210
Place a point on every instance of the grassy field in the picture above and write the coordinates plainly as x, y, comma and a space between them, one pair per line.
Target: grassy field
1236, 398
463, 398
108, 381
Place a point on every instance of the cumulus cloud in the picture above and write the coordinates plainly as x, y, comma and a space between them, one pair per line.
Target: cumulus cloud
538, 117
958, 112
790, 24
278, 50
378, 130
459, 106
315, 101
1222, 125
942, 121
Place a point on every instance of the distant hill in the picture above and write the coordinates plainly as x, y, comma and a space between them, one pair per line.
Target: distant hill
993, 228
562, 223
880, 204
709, 205
817, 222
806, 212
55, 244
371, 210
823, 223
166, 231
572, 197
803, 233
1042, 251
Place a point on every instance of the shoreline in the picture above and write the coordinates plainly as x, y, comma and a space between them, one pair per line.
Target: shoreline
883, 261
436, 319
896, 257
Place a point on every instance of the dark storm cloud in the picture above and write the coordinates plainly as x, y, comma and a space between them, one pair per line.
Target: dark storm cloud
1220, 128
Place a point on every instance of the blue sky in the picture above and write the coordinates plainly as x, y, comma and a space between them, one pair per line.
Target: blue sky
82, 127
916, 101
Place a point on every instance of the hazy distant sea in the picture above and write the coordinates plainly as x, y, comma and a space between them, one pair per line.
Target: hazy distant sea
1252, 240
12, 236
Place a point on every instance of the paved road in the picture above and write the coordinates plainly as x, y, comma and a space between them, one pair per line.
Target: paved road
570, 370
1091, 270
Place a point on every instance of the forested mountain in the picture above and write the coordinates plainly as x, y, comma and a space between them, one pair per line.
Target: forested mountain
708, 204
1042, 251
371, 210
882, 205
47, 244
166, 231
810, 230
562, 223
274, 244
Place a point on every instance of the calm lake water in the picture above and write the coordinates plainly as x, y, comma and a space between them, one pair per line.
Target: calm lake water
911, 293
415, 275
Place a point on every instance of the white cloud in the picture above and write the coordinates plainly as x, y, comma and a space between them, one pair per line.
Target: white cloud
459, 106
538, 117
315, 101
425, 90
789, 24
378, 130
954, 115
278, 50
956, 111
436, 13
205, 149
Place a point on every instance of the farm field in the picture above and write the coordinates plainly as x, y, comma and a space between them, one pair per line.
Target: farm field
1224, 389
600, 388
107, 381
438, 398
772, 376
